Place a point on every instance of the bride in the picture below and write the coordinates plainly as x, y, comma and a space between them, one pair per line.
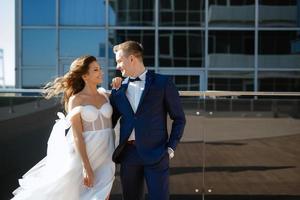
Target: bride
78, 165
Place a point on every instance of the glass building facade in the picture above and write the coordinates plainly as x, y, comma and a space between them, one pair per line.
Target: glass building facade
237, 45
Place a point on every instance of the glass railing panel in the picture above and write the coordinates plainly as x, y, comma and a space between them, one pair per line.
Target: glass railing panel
233, 147
25, 124
251, 149
186, 168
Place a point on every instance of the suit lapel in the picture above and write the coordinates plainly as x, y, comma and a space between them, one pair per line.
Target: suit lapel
122, 93
149, 79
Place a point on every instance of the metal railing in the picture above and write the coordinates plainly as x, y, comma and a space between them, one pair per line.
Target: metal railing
208, 93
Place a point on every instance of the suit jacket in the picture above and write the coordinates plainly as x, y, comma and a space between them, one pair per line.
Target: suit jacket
159, 98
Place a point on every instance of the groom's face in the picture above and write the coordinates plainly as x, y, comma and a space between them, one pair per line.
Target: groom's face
124, 63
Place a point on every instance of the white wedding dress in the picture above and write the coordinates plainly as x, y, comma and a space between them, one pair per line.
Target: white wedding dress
59, 175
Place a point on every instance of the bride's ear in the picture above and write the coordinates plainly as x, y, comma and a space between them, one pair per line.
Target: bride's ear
84, 77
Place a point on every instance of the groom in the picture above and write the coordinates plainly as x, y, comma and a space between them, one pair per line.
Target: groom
142, 104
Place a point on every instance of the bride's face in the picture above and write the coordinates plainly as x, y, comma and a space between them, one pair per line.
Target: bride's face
94, 75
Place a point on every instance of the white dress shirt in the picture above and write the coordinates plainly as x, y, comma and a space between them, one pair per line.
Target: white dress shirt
134, 93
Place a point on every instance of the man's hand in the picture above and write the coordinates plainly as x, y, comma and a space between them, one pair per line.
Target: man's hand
171, 153
116, 82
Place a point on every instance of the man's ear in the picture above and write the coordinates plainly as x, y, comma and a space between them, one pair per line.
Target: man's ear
131, 58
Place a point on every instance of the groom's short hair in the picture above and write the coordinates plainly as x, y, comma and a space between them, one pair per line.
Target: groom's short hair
130, 48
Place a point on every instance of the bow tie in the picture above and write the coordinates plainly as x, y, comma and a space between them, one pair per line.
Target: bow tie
134, 79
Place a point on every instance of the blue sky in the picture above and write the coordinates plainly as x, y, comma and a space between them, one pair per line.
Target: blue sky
7, 39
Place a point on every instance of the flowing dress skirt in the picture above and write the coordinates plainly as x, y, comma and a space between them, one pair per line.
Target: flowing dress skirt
59, 175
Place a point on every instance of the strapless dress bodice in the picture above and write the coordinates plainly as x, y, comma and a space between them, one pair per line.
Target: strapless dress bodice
90, 113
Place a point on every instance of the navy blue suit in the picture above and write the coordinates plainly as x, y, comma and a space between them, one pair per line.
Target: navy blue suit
148, 158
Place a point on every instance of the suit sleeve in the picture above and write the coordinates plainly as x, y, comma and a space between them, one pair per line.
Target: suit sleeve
175, 110
116, 114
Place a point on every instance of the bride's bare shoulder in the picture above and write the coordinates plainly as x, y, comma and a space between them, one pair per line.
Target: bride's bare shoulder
103, 91
74, 101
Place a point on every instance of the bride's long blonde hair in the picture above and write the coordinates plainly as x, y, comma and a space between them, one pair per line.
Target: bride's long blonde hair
71, 83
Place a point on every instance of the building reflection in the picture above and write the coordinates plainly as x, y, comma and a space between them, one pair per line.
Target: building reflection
227, 44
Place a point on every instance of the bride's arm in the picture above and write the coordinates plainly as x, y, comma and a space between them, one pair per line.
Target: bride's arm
77, 130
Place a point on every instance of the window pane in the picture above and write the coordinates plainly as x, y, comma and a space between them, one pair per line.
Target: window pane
37, 12
36, 78
231, 49
279, 49
39, 47
80, 12
74, 43
131, 12
146, 38
230, 81
279, 81
279, 13
231, 13
182, 13
186, 83
181, 49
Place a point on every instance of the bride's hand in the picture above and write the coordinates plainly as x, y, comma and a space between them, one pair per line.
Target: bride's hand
116, 82
88, 177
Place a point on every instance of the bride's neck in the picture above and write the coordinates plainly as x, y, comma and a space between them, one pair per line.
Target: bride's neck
90, 89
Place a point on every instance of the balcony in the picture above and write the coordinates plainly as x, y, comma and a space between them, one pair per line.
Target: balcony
216, 60
236, 145
219, 15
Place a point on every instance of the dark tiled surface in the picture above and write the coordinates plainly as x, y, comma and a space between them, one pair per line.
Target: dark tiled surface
259, 169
